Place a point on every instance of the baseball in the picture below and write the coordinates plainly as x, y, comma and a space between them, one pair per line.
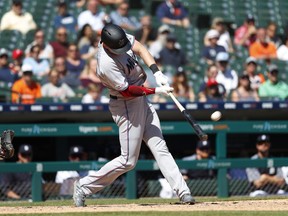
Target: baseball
216, 115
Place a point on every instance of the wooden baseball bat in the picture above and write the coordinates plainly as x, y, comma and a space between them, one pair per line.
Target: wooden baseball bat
198, 130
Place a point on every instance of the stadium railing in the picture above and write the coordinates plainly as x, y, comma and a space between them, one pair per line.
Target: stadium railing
221, 163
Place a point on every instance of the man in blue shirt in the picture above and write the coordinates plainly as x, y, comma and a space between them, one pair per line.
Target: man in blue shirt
209, 52
64, 18
6, 75
172, 12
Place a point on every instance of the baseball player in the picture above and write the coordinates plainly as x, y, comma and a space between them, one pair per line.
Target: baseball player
120, 71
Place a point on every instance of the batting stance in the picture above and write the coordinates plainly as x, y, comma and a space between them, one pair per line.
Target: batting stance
120, 71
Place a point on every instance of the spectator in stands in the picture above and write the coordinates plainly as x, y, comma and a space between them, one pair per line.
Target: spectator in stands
88, 75
122, 17
40, 67
67, 178
182, 90
60, 92
245, 35
172, 12
94, 94
26, 90
282, 51
265, 180
271, 30
262, 48
16, 19
273, 88
90, 50
92, 16
213, 92
211, 74
17, 56
60, 67
85, 37
256, 79
224, 36
64, 18
147, 33
18, 185
157, 45
203, 152
210, 52
172, 54
61, 44
46, 50
75, 65
244, 92
226, 75
6, 74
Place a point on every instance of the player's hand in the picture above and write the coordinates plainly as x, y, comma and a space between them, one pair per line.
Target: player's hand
164, 90
161, 79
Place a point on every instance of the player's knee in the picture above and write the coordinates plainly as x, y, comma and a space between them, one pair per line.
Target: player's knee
130, 165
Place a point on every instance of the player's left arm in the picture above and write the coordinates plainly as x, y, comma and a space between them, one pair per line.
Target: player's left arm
148, 59
141, 51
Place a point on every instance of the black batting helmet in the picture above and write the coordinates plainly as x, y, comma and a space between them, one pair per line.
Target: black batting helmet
115, 38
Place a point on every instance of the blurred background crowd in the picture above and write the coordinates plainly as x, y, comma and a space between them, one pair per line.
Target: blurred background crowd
208, 51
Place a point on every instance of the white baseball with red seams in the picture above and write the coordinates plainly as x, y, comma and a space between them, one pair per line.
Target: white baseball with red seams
216, 116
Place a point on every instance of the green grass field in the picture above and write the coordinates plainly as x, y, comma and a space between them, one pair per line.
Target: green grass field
140, 202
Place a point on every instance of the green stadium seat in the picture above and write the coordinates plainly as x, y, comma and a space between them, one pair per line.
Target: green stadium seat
10, 39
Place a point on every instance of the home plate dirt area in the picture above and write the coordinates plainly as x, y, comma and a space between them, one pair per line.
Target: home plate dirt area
246, 205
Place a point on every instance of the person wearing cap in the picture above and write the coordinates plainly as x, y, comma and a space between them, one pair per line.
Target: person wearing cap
244, 91
92, 16
16, 19
212, 92
262, 48
122, 18
265, 180
46, 50
273, 88
17, 56
255, 78
147, 33
18, 185
6, 74
210, 52
224, 36
172, 12
245, 35
26, 90
282, 51
226, 76
156, 46
64, 18
172, 54
202, 152
67, 178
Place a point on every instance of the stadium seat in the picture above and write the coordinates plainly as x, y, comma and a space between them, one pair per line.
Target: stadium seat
10, 39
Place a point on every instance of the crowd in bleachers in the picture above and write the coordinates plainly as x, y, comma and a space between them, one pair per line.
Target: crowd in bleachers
48, 52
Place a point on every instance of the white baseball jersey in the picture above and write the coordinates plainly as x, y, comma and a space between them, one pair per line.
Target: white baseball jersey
116, 72
137, 120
